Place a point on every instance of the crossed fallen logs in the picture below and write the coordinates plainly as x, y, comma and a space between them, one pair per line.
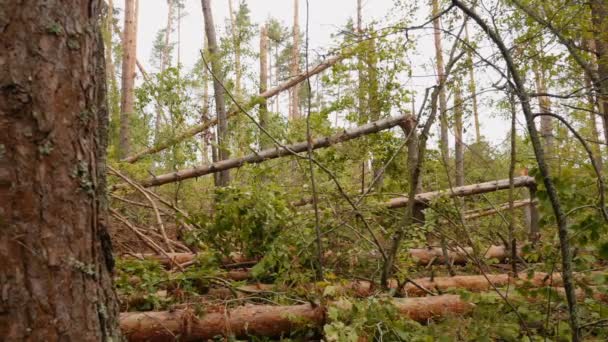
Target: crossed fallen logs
275, 321
266, 320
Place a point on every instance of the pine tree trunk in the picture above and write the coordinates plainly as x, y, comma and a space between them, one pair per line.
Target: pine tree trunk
294, 103
56, 252
472, 86
443, 139
129, 46
264, 141
220, 105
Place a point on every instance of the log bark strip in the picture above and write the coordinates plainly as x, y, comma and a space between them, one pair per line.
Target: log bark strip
252, 103
265, 320
273, 153
467, 190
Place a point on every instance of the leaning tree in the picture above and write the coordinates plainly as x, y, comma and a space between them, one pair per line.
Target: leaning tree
55, 251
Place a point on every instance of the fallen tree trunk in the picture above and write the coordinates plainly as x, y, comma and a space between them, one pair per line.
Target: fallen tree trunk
252, 103
265, 320
461, 191
422, 256
473, 214
277, 152
235, 260
425, 256
418, 287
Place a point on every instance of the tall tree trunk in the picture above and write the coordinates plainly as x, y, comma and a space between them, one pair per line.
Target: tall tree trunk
56, 251
599, 10
546, 122
237, 50
458, 142
443, 122
361, 86
374, 104
129, 46
220, 105
472, 86
264, 141
276, 77
207, 140
113, 92
294, 103
595, 135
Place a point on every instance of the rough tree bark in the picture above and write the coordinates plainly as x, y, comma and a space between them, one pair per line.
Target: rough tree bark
294, 100
599, 11
56, 252
127, 100
443, 119
220, 105
263, 108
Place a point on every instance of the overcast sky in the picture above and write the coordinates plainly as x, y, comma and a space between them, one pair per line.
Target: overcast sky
325, 17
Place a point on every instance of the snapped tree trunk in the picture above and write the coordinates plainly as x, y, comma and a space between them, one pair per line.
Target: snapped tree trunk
56, 251
129, 46
220, 105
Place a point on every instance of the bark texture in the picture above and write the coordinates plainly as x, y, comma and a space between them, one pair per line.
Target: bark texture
218, 90
55, 252
127, 100
599, 10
